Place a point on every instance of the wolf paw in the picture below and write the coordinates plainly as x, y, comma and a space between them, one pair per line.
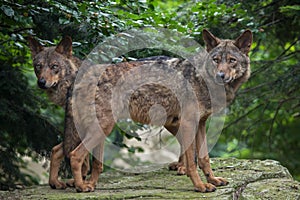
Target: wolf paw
70, 183
90, 182
205, 187
56, 184
176, 166
85, 187
173, 166
217, 181
181, 170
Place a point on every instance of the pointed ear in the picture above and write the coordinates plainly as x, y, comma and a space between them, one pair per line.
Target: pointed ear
34, 46
210, 40
244, 41
65, 46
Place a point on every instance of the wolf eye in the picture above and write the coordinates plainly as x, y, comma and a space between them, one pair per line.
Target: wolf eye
232, 60
38, 67
216, 60
54, 66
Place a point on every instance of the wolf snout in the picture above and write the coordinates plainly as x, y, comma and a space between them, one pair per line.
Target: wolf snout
42, 83
220, 76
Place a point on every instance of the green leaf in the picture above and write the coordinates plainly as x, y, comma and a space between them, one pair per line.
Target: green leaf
8, 10
290, 8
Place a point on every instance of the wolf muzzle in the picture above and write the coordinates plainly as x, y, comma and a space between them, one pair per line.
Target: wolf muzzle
42, 83
222, 79
220, 76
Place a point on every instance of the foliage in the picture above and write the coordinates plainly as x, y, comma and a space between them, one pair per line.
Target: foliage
24, 131
261, 123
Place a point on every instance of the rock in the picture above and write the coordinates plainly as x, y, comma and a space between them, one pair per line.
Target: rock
249, 179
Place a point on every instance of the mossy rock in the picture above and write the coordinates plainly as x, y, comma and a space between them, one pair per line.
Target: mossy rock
249, 179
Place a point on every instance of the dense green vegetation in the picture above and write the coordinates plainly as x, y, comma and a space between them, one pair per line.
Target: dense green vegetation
262, 122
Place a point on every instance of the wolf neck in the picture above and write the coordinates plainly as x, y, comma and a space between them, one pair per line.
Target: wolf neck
233, 87
58, 94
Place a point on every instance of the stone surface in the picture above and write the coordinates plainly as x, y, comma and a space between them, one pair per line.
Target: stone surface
249, 179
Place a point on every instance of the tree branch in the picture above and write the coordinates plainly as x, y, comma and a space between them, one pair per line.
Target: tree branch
241, 117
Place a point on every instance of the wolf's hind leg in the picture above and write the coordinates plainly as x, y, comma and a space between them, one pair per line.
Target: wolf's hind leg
179, 165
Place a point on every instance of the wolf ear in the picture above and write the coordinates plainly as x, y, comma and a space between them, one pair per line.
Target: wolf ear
244, 41
65, 46
210, 40
35, 46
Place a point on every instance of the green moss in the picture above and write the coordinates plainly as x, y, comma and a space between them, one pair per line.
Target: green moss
249, 179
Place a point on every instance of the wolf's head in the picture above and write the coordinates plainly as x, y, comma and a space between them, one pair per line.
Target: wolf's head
51, 64
230, 57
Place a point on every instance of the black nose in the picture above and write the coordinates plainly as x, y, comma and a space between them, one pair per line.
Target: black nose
221, 75
42, 83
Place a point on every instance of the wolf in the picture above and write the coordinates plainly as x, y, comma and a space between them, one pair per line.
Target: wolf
55, 69
230, 69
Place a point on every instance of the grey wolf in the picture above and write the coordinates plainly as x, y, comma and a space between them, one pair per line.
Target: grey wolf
55, 69
231, 68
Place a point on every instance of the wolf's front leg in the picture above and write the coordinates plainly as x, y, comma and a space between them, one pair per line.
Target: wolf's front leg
84, 170
203, 157
177, 166
77, 157
57, 155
